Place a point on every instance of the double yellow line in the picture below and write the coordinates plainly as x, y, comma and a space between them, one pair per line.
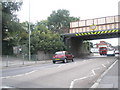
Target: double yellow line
97, 32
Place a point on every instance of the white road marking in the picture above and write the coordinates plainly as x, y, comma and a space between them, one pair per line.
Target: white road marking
72, 83
60, 66
103, 65
93, 72
26, 73
87, 60
19, 74
95, 85
31, 72
65, 64
5, 87
97, 68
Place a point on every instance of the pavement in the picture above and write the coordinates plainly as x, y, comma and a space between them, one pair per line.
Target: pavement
13, 62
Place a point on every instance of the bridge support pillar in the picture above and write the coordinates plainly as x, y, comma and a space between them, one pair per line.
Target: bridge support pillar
77, 47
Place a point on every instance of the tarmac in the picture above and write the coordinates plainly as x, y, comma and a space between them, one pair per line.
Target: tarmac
110, 78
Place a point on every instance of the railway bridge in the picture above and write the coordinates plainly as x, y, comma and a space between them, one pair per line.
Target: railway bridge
90, 29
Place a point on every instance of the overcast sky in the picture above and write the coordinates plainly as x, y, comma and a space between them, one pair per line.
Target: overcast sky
85, 9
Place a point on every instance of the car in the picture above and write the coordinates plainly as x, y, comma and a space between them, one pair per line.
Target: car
111, 53
63, 56
117, 52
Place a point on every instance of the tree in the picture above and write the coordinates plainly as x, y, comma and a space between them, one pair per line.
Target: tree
88, 45
25, 25
43, 39
10, 24
59, 20
8, 16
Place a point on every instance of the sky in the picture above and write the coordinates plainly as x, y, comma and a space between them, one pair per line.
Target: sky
85, 9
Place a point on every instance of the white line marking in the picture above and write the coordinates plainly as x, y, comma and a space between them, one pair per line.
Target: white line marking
73, 81
95, 85
97, 68
31, 72
59, 66
103, 65
93, 72
19, 74
5, 87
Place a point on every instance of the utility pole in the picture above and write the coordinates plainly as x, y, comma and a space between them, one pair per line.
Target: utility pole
29, 33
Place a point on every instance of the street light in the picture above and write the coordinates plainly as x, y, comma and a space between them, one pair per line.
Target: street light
29, 33
20, 50
6, 30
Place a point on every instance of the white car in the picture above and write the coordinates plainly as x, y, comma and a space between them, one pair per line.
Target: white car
117, 52
111, 53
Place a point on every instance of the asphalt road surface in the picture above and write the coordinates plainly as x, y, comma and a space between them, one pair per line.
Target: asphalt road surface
78, 74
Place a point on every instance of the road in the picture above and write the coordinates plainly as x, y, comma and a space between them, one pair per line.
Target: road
82, 73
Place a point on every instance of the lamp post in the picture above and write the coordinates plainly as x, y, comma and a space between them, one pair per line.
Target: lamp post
20, 50
29, 33
6, 30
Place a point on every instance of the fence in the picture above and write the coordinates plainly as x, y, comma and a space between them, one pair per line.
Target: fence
21, 60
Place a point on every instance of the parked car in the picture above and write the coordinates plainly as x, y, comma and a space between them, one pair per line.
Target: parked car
117, 52
63, 56
111, 53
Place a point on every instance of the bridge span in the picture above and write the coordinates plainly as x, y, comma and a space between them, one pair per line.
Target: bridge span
90, 29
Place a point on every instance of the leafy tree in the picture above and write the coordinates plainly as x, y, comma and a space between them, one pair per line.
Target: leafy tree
21, 35
18, 37
25, 26
59, 20
8, 16
88, 45
43, 22
10, 24
43, 39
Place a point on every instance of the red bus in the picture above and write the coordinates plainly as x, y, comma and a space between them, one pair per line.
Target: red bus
102, 50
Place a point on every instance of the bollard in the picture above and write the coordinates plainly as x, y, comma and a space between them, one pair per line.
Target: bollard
7, 62
43, 57
36, 59
23, 59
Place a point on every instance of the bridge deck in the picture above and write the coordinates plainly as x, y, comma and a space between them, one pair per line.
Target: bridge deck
98, 28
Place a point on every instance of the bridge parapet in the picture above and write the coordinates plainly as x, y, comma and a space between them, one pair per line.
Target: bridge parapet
104, 23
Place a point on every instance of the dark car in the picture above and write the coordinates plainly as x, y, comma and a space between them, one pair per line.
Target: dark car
63, 56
